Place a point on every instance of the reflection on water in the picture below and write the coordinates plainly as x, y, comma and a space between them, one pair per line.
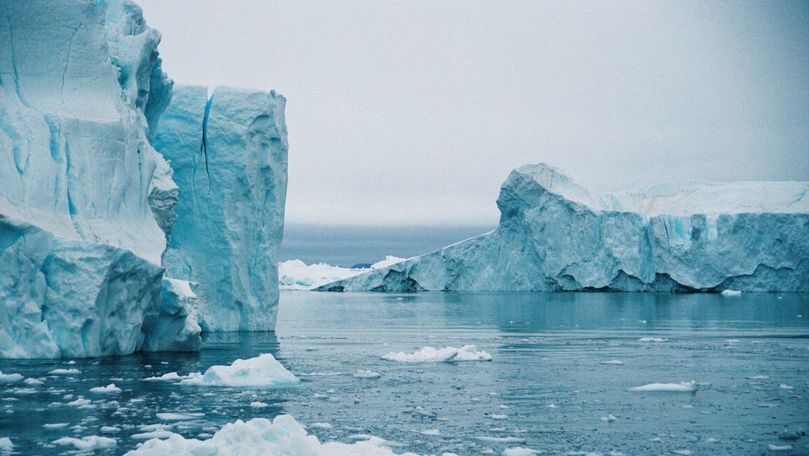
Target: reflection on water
562, 366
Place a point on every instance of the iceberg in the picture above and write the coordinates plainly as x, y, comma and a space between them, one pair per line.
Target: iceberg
86, 201
555, 235
228, 153
263, 371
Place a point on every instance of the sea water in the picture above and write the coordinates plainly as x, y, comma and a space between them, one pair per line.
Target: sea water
560, 378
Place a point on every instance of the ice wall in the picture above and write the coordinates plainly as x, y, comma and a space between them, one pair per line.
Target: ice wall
555, 235
229, 156
85, 200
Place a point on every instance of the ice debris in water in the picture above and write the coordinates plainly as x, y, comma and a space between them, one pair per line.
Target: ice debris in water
446, 354
682, 387
65, 372
109, 389
731, 293
168, 377
613, 362
365, 373
520, 451
652, 339
168, 416
259, 404
259, 437
89, 443
262, 371
6, 446
10, 378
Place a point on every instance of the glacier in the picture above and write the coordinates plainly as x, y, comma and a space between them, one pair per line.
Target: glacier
228, 153
556, 235
89, 206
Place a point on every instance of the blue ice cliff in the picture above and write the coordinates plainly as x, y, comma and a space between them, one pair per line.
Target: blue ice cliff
87, 204
229, 155
554, 235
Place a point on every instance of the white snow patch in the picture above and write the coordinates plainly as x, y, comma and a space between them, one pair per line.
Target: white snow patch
262, 371
446, 354
259, 437
682, 387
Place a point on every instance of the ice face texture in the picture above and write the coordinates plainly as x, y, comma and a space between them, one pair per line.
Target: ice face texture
555, 235
229, 157
85, 200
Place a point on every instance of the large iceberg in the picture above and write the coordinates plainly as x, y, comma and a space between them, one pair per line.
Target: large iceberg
555, 235
87, 203
85, 200
229, 157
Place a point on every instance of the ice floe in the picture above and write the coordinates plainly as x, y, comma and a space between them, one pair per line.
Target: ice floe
65, 372
365, 373
446, 354
88, 443
520, 451
10, 378
168, 377
259, 436
109, 389
6, 445
652, 339
682, 387
262, 371
731, 293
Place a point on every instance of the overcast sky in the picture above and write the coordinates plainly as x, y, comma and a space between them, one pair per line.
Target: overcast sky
414, 112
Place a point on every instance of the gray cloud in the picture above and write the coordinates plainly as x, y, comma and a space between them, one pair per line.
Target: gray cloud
414, 112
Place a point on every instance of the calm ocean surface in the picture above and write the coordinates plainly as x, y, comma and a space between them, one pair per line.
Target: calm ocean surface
562, 366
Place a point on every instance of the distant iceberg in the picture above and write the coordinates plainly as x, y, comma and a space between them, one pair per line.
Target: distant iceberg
297, 275
555, 235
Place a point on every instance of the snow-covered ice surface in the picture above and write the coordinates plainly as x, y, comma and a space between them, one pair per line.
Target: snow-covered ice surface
297, 275
555, 235
546, 349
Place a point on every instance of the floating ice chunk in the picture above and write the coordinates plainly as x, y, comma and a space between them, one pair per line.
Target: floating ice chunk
33, 381
432, 432
784, 386
652, 339
168, 377
259, 404
65, 372
365, 373
683, 452
55, 425
10, 378
446, 354
259, 437
6, 445
110, 429
520, 451
731, 293
89, 443
81, 403
609, 418
500, 439
758, 377
498, 417
262, 371
167, 416
321, 426
150, 435
682, 387
109, 389
779, 447
613, 362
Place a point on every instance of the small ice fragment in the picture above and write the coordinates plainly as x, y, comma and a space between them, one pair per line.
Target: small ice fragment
80, 402
110, 429
520, 451
170, 376
170, 416
683, 452
321, 426
6, 445
65, 372
731, 293
652, 339
259, 404
262, 371
89, 443
364, 373
109, 389
682, 387
608, 418
10, 378
33, 381
776, 448
613, 362
446, 354
758, 377
55, 425
431, 432
498, 417
784, 386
